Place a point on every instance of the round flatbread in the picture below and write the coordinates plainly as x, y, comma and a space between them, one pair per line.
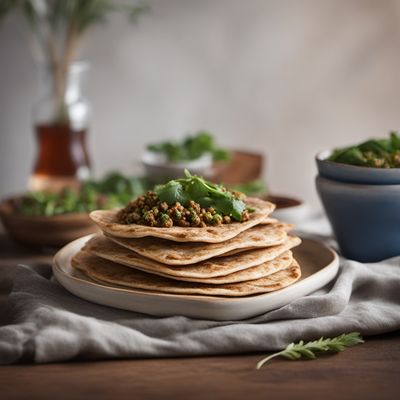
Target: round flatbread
212, 268
174, 253
107, 221
107, 271
231, 270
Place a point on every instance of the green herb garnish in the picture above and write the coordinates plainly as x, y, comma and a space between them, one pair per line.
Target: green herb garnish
191, 148
309, 350
205, 193
375, 153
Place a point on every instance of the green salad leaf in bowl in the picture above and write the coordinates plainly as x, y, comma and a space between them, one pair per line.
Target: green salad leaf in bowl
190, 148
374, 153
113, 191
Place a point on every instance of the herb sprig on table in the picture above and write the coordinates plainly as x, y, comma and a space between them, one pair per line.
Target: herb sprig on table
191, 148
205, 193
375, 153
310, 350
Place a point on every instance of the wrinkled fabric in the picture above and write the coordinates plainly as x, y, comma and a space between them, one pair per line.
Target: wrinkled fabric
41, 322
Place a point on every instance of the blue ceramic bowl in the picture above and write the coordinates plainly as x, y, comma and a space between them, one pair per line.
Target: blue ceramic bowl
354, 174
364, 218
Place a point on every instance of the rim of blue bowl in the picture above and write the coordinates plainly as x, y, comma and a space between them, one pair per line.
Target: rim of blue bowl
322, 156
357, 185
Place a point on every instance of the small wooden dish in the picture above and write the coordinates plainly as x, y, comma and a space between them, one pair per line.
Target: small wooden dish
283, 201
42, 231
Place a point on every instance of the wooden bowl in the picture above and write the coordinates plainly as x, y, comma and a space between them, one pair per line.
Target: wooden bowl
42, 231
242, 167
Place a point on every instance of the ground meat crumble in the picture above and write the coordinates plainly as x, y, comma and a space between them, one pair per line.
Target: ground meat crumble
149, 210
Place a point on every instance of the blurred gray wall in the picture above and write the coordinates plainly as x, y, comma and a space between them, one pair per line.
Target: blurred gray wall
286, 78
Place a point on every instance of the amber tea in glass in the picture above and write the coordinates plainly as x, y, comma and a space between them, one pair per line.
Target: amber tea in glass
61, 129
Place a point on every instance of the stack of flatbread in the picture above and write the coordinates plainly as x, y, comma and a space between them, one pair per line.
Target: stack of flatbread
237, 259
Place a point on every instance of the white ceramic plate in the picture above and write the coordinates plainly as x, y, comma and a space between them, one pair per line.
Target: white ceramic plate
319, 265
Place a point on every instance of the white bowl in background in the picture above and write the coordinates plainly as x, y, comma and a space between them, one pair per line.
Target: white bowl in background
159, 169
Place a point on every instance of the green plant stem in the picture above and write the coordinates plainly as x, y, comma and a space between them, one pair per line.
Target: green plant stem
71, 44
266, 359
59, 25
309, 350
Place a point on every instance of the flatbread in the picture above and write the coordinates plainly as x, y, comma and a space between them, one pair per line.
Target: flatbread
107, 221
212, 268
174, 253
270, 220
110, 272
235, 269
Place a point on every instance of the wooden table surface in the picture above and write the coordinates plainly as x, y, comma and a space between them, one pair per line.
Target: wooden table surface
367, 371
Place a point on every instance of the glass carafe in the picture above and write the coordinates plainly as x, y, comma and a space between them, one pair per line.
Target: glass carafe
61, 122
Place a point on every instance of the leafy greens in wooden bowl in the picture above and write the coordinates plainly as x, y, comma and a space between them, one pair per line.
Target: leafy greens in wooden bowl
53, 219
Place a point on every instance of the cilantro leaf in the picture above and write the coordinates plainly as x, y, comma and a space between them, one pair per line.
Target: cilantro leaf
395, 141
172, 192
196, 189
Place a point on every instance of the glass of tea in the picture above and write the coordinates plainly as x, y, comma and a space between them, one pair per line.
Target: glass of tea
61, 121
